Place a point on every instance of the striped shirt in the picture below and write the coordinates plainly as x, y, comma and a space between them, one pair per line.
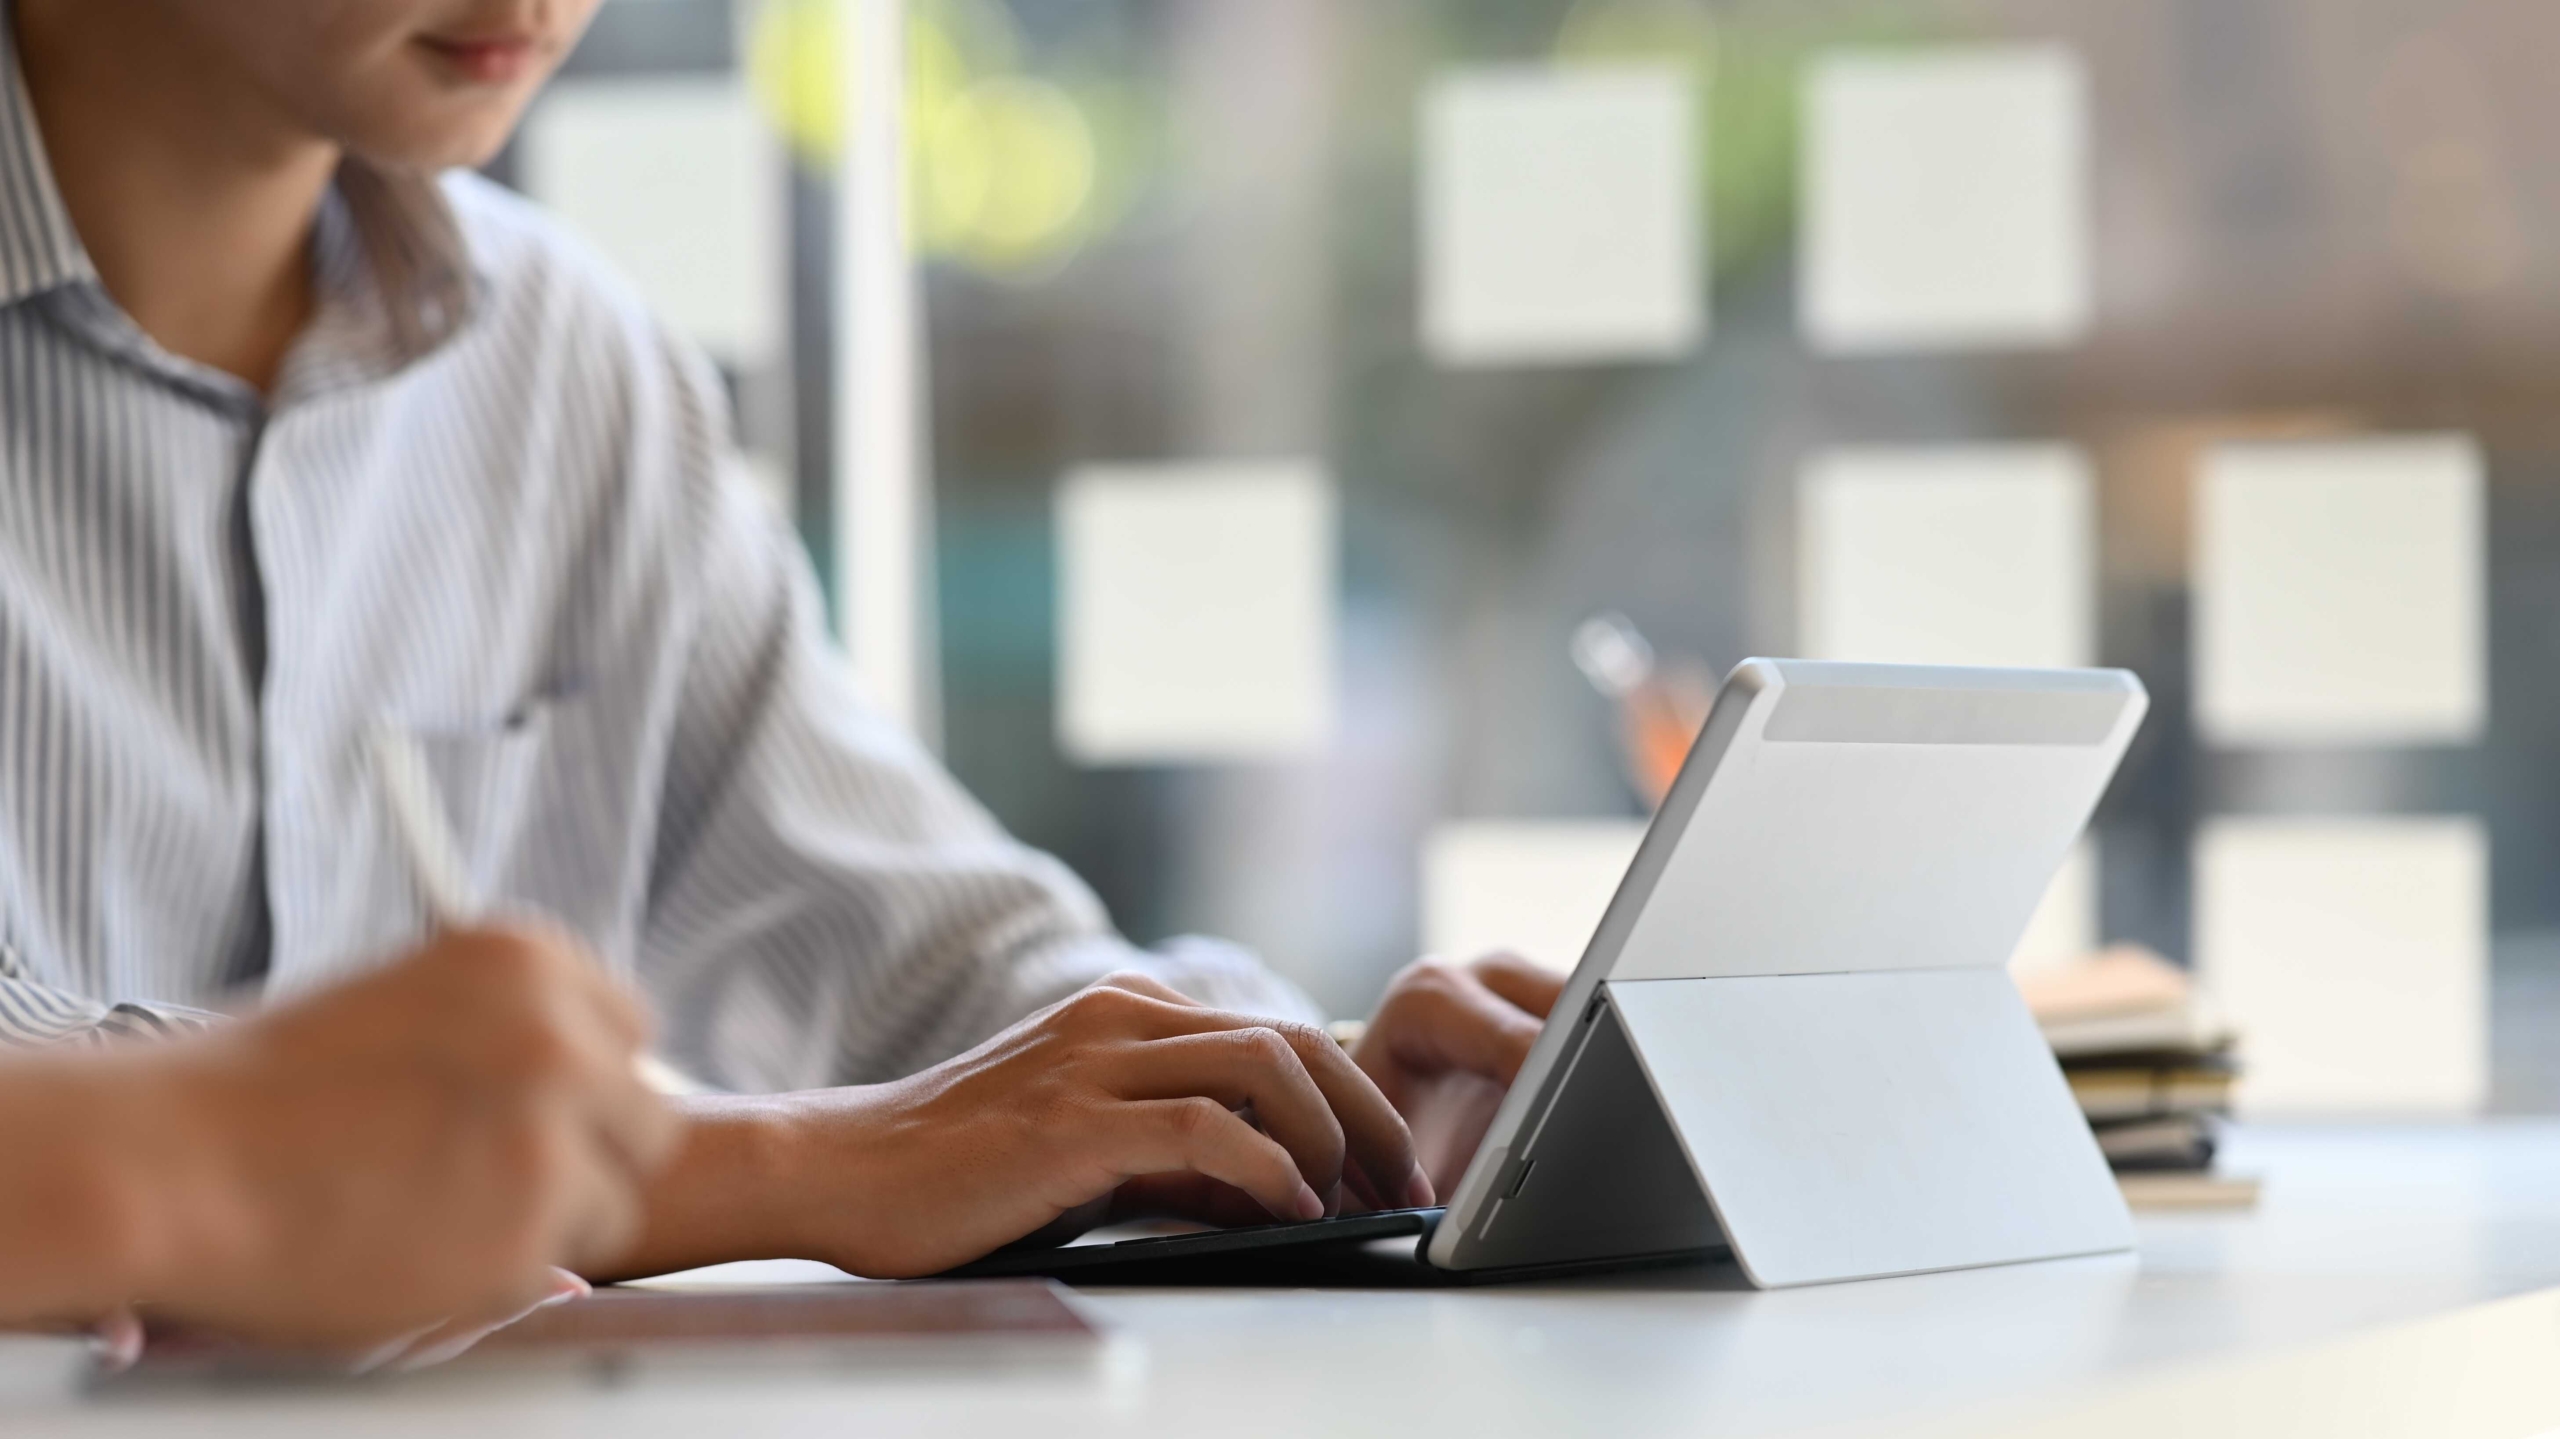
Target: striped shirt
492, 503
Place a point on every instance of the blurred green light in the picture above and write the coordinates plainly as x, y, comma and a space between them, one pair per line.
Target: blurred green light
1002, 165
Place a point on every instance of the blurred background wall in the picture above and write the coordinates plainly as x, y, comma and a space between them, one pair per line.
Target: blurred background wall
1302, 375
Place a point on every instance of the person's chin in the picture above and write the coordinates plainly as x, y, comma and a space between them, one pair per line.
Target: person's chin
449, 131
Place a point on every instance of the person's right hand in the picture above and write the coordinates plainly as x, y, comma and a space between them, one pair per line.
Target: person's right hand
411, 1148
1124, 1098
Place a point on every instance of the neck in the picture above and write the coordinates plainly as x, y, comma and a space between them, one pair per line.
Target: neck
192, 194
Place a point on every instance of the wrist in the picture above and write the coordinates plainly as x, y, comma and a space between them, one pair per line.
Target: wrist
734, 1189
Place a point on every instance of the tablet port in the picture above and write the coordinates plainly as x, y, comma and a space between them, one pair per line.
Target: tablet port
1519, 1180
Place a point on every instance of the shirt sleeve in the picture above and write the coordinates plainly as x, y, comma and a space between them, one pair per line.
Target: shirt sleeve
828, 906
37, 1015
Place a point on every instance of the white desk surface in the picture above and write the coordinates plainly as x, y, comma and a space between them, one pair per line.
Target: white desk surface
2358, 1229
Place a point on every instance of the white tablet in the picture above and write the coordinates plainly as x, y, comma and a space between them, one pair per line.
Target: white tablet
1793, 1031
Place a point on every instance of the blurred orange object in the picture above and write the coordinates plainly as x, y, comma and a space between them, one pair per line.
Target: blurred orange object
1660, 709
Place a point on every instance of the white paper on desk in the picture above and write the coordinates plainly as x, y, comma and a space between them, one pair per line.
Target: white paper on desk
1946, 198
1196, 612
1562, 219
2340, 591
679, 182
1536, 888
2352, 955
1952, 554
2065, 925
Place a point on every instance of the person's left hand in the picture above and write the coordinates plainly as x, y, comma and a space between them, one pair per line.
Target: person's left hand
1444, 1046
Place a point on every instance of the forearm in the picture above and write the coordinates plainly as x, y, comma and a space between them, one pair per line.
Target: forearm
99, 1198
732, 1192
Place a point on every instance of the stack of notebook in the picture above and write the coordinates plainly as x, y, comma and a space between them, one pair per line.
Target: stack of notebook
2149, 1060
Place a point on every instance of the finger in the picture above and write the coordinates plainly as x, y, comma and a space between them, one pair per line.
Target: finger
1199, 1136
1240, 1068
1378, 1145
570, 969
1533, 988
117, 1339
1194, 1197
619, 1007
601, 995
1461, 1025
1139, 982
1186, 1196
1376, 1140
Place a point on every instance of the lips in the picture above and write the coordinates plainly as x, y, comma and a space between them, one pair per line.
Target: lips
484, 59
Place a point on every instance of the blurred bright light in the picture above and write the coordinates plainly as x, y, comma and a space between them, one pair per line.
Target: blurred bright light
1004, 173
1002, 166
1637, 30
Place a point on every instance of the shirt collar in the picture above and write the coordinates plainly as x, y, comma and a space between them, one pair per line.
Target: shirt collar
388, 254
